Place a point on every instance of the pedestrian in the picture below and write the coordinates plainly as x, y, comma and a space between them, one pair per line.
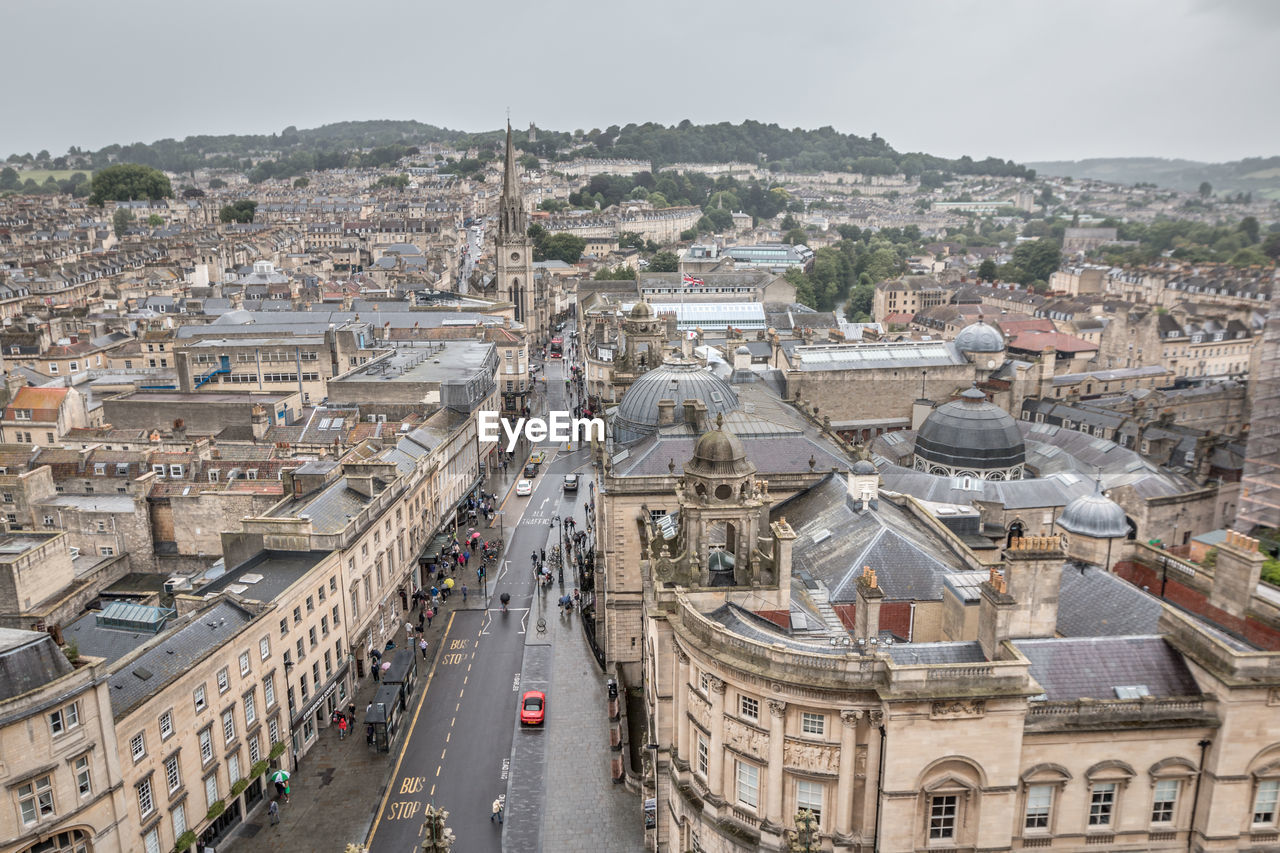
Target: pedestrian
351, 711
464, 593
408, 629
342, 728
497, 810
279, 790
542, 555
421, 621
274, 811
422, 646
429, 613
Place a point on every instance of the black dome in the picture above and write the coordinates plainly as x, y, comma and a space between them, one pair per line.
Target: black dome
971, 433
677, 380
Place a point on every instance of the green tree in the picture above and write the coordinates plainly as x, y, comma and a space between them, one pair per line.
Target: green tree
394, 182
9, 179
804, 287
622, 272
240, 211
564, 247
122, 220
1271, 246
216, 183
1206, 189
129, 182
154, 220
987, 270
795, 236
664, 262
1249, 258
1038, 259
302, 183
1250, 228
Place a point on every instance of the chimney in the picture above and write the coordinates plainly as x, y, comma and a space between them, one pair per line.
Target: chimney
1023, 602
686, 345
690, 411
1236, 574
258, 422
866, 624
666, 412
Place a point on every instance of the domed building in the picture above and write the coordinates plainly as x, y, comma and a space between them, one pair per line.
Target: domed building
971, 437
980, 337
1091, 525
678, 379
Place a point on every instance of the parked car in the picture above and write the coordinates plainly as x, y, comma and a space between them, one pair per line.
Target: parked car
571, 482
531, 469
524, 488
533, 708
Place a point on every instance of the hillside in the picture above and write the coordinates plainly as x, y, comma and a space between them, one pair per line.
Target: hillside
1257, 175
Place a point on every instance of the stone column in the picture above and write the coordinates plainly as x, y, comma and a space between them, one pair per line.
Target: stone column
681, 748
777, 739
848, 763
875, 719
715, 772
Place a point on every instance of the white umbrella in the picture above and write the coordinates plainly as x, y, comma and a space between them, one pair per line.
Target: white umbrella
280, 776
386, 666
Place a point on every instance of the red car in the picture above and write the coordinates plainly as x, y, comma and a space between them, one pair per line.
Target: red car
532, 708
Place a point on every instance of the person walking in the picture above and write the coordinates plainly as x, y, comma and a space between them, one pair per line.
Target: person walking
342, 728
408, 629
274, 811
464, 593
429, 614
497, 810
422, 646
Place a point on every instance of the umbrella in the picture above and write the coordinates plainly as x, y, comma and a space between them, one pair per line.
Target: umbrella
280, 776
448, 583
564, 599
505, 597
386, 666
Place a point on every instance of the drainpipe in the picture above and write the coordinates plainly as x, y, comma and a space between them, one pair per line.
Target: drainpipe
1195, 800
880, 791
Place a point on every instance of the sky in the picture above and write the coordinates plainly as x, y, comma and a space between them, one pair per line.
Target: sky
1026, 80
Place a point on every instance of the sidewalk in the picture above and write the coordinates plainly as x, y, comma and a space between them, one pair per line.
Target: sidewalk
338, 786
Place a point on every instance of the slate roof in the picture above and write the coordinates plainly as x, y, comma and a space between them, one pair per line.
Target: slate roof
28, 660
98, 641
174, 653
910, 561
1093, 667
910, 654
1093, 602
746, 624
279, 571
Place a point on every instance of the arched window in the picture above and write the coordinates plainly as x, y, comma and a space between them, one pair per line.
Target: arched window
1265, 800
1041, 791
948, 804
1107, 783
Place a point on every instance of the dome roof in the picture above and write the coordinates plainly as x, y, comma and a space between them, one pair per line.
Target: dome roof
1094, 515
971, 433
863, 467
980, 337
719, 453
742, 350
677, 380
641, 311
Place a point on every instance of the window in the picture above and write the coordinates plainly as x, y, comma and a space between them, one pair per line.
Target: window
224, 681
809, 796
1164, 801
179, 820
942, 816
813, 724
255, 750
233, 767
151, 841
206, 747
748, 707
1264, 802
63, 719
244, 663
333, 583
273, 731
703, 756
199, 697
250, 710
355, 604
336, 621
748, 784
264, 648
284, 627
269, 690
311, 604
107, 551
211, 788
315, 675
138, 746
146, 804
84, 778
301, 652
297, 615
1039, 801
320, 594
228, 726
311, 634
172, 776
1102, 804
175, 471
324, 625
166, 725
100, 469
35, 799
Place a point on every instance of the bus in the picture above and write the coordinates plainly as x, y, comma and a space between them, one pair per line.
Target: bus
556, 350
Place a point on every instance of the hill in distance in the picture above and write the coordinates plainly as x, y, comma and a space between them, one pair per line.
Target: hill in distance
1258, 175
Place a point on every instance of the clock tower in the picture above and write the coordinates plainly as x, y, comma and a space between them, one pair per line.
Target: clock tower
514, 251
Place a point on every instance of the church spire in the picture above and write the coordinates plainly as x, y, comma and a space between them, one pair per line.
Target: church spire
511, 215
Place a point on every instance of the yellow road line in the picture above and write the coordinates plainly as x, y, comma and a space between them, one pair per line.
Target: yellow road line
395, 774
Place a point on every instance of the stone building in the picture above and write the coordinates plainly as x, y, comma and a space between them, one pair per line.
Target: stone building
513, 253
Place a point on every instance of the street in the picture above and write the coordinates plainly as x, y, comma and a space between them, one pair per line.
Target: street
466, 746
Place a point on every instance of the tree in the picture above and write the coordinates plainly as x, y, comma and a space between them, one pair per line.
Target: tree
154, 220
302, 183
1250, 228
216, 183
804, 287
622, 272
394, 182
121, 220
129, 182
1271, 246
9, 178
564, 247
795, 236
193, 192
664, 262
240, 211
1037, 260
1206, 189
987, 270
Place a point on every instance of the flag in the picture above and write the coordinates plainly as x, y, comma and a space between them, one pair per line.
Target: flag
690, 281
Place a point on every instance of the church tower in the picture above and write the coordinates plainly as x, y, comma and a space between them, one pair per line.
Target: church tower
514, 250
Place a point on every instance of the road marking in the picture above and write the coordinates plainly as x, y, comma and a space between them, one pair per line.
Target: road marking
443, 752
437, 772
395, 774
447, 736
452, 721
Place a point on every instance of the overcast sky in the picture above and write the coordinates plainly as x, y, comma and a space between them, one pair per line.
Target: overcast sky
1021, 79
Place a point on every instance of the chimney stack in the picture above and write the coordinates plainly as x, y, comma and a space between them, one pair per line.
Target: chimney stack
866, 624
1023, 601
1236, 574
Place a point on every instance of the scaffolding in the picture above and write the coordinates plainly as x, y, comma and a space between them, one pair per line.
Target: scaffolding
1260, 481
